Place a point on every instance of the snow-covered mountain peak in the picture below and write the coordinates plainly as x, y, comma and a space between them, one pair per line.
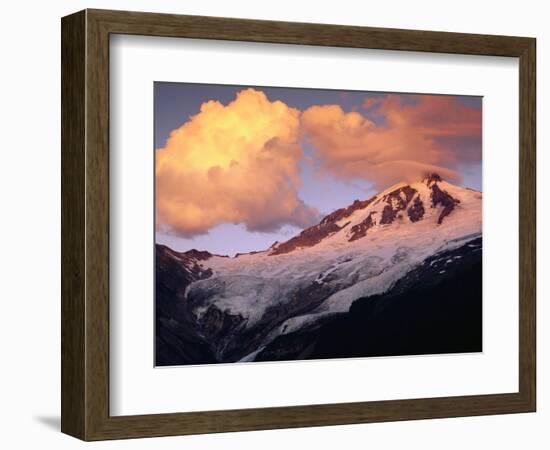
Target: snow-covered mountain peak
430, 200
354, 252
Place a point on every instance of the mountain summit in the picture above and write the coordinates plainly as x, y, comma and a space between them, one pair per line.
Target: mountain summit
430, 199
234, 308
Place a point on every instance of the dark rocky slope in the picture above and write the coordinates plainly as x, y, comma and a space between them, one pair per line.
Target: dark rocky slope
177, 340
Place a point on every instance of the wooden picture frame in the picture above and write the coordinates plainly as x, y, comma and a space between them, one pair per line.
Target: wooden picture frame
85, 224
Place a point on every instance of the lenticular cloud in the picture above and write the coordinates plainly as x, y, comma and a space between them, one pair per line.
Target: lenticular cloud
410, 138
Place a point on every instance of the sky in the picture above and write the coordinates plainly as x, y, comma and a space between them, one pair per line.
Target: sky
240, 167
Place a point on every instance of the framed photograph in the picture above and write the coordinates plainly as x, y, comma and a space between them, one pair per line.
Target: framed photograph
272, 225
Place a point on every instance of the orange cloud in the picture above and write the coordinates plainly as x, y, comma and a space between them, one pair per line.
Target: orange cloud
232, 164
416, 137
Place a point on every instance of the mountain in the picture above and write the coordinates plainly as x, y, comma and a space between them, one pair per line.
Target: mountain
286, 302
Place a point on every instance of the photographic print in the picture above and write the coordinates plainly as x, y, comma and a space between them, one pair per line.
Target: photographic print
302, 224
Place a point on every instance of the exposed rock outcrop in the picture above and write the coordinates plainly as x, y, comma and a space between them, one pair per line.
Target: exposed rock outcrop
360, 230
440, 197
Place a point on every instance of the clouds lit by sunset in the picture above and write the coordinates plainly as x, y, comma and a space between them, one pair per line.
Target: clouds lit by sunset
236, 163
252, 159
